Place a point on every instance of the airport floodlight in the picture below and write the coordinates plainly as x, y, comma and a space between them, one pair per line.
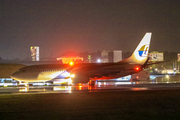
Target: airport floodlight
98, 60
71, 63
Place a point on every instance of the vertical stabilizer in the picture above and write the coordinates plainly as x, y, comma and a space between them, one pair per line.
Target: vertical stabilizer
140, 54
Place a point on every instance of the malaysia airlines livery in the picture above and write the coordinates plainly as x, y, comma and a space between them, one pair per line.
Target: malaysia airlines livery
88, 72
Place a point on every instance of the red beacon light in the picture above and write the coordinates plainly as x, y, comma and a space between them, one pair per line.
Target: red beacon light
137, 68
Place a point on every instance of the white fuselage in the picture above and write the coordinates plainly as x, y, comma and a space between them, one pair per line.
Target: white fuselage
43, 73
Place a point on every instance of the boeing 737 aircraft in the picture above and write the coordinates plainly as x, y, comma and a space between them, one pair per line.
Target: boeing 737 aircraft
88, 72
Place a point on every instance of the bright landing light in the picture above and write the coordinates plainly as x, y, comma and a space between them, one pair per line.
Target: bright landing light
72, 75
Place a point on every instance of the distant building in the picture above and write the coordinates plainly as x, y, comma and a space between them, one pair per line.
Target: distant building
104, 56
111, 56
115, 56
178, 57
34, 53
156, 56
48, 59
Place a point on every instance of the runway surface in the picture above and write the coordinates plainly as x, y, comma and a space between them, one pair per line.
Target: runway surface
104, 101
99, 87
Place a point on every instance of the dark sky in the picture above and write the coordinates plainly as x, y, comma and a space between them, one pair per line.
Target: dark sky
86, 25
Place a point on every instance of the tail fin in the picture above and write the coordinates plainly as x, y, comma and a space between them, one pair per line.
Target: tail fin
140, 54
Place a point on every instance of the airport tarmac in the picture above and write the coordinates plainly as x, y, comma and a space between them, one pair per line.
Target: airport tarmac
99, 87
105, 101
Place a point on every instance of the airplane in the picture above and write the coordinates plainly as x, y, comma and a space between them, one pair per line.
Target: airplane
88, 72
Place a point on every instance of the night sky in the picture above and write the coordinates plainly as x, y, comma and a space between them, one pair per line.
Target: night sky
57, 26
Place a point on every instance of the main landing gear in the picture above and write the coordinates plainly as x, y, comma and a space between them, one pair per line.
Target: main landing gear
91, 83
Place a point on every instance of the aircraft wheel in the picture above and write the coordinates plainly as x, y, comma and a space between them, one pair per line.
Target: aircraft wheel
91, 83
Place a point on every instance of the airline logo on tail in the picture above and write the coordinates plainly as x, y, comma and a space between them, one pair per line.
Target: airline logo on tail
143, 51
140, 54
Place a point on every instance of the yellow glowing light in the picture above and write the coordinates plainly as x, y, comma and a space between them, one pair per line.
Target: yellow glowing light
72, 75
80, 87
26, 84
23, 90
89, 87
71, 63
167, 76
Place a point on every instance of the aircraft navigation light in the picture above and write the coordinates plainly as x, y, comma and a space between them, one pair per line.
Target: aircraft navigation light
137, 68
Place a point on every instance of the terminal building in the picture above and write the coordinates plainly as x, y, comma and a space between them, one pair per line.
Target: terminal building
70, 57
66, 60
